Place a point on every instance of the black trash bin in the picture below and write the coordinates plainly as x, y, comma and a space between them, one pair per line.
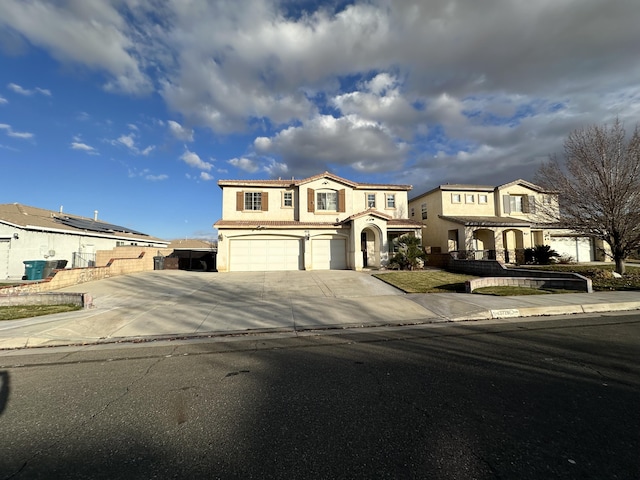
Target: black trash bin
62, 264
49, 267
158, 263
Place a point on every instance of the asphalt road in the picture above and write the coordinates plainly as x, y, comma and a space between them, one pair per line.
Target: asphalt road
558, 398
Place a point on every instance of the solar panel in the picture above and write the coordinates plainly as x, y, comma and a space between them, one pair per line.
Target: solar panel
94, 226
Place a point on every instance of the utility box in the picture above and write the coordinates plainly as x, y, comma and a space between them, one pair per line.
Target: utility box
34, 269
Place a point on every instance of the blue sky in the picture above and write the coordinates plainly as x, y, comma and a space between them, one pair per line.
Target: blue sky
137, 108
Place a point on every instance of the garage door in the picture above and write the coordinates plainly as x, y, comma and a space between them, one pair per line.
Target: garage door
264, 255
328, 254
579, 248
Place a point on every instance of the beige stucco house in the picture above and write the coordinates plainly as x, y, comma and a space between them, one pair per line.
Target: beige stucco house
488, 222
317, 223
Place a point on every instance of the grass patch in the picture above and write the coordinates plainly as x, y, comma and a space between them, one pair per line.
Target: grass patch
15, 312
600, 275
426, 281
504, 291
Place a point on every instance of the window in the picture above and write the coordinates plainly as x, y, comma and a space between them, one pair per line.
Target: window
469, 198
423, 208
252, 200
515, 203
287, 199
327, 201
547, 199
482, 198
413, 212
456, 198
391, 200
371, 200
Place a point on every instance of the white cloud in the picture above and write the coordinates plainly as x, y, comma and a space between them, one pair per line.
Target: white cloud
76, 145
12, 133
94, 34
193, 160
180, 132
3, 100
205, 176
26, 92
245, 164
156, 178
129, 141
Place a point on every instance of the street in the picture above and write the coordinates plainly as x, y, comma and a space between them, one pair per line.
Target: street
529, 399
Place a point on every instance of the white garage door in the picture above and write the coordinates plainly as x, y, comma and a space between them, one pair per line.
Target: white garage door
329, 254
579, 248
264, 255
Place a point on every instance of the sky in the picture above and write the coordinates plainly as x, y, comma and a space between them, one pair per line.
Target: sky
136, 108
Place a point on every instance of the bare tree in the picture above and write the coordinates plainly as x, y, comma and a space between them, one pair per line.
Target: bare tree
599, 187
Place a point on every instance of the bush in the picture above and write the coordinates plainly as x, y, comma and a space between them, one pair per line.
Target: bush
409, 255
540, 255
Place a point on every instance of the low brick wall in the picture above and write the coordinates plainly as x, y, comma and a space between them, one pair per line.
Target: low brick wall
58, 298
495, 269
75, 276
577, 284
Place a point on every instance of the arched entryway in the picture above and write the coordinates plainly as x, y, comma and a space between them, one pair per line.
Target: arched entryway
513, 242
484, 244
370, 245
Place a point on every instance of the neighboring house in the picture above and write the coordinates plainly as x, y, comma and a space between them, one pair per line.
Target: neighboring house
486, 222
317, 223
29, 233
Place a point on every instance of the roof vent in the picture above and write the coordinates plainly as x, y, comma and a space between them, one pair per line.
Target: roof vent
95, 215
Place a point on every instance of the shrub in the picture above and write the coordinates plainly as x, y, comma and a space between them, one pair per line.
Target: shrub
409, 255
540, 255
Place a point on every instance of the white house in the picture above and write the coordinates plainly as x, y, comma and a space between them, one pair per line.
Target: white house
30, 233
317, 223
496, 222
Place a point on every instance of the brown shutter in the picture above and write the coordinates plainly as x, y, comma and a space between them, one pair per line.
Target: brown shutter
265, 201
310, 199
341, 202
239, 201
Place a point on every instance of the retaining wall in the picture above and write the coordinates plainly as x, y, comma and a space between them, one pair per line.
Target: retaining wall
52, 298
576, 284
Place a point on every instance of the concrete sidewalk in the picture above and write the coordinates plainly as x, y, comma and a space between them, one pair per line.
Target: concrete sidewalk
177, 304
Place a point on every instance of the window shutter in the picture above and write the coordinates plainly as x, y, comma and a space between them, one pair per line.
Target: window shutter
506, 204
265, 201
239, 201
341, 201
531, 204
310, 202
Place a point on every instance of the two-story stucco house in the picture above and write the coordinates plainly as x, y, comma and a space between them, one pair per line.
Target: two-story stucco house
495, 222
317, 223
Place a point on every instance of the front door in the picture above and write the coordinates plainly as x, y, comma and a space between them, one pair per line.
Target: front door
363, 244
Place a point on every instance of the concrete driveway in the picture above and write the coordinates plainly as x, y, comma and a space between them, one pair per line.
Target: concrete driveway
178, 303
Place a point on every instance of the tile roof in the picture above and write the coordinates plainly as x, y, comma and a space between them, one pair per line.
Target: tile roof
294, 183
258, 224
191, 244
33, 218
487, 221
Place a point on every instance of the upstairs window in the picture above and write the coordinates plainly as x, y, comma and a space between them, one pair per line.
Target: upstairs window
252, 200
391, 200
287, 199
456, 198
413, 212
423, 208
327, 201
482, 198
371, 200
469, 198
515, 203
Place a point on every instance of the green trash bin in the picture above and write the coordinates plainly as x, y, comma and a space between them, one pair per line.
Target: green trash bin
34, 269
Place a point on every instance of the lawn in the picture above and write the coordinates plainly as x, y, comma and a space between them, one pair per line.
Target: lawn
440, 281
26, 311
426, 281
